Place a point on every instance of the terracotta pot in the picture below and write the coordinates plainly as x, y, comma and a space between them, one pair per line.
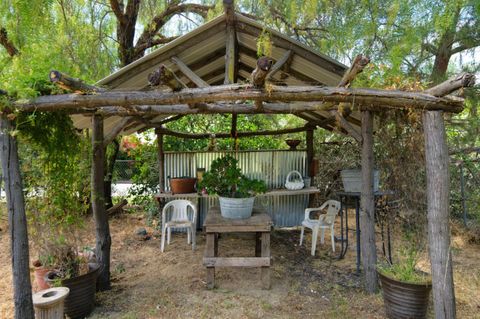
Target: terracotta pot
405, 300
40, 273
183, 185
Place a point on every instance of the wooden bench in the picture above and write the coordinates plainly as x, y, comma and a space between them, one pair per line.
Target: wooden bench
260, 223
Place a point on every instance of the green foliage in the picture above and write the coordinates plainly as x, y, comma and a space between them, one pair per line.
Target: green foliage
226, 179
405, 269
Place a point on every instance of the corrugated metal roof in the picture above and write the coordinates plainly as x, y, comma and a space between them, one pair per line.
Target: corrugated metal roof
203, 51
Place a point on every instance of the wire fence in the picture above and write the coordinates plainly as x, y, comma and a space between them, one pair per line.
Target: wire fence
123, 171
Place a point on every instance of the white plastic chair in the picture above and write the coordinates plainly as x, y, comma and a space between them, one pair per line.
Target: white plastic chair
324, 221
177, 212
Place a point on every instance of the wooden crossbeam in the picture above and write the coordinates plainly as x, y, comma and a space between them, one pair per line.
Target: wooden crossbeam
365, 98
165, 131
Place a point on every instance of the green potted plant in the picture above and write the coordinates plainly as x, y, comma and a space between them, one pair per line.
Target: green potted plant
236, 191
406, 289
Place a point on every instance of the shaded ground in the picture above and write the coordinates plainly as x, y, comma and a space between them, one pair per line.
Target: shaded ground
149, 284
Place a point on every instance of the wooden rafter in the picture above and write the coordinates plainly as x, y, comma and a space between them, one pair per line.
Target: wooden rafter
283, 62
189, 73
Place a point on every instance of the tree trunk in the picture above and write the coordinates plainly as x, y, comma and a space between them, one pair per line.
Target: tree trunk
438, 191
110, 165
161, 162
22, 288
367, 211
102, 231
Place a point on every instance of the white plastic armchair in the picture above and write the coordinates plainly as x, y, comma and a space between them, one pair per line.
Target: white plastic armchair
324, 221
179, 214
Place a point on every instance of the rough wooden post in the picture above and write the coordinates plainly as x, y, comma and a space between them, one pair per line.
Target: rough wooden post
309, 161
102, 231
231, 46
161, 162
17, 221
367, 206
438, 188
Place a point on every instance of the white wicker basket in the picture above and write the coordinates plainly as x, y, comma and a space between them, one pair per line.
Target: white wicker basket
293, 183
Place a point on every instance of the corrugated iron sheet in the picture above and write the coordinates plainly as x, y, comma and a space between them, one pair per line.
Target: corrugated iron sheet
269, 166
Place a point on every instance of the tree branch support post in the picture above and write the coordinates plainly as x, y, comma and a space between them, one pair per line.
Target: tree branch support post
367, 206
17, 221
438, 188
102, 231
309, 162
161, 161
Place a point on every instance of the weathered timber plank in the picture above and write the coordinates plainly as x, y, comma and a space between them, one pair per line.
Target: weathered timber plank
250, 262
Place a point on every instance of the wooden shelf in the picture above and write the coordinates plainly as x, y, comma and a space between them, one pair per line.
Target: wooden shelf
274, 192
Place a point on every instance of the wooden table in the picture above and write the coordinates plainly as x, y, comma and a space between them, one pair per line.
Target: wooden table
260, 223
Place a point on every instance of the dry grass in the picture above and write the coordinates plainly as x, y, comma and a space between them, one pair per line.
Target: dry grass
149, 284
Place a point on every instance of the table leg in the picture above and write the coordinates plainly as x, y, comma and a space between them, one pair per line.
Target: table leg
265, 271
210, 252
258, 244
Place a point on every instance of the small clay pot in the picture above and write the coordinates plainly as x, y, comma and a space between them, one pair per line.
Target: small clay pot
40, 273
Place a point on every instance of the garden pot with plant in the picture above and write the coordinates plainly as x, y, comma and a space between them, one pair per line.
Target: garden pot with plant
406, 290
236, 191
78, 273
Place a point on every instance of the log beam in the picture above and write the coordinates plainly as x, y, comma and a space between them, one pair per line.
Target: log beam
451, 85
229, 135
343, 123
368, 99
73, 84
116, 130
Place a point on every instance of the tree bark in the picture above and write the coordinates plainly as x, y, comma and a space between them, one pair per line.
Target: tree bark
161, 162
438, 192
6, 43
367, 206
72, 84
22, 288
109, 167
102, 231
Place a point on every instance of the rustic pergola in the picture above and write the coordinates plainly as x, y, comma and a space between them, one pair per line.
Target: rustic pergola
213, 70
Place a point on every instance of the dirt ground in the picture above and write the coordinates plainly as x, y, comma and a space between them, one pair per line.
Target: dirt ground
149, 284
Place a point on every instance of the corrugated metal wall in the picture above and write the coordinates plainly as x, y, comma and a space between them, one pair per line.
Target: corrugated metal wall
269, 166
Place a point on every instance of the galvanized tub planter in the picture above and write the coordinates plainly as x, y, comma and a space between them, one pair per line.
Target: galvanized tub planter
81, 300
352, 180
236, 208
404, 300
